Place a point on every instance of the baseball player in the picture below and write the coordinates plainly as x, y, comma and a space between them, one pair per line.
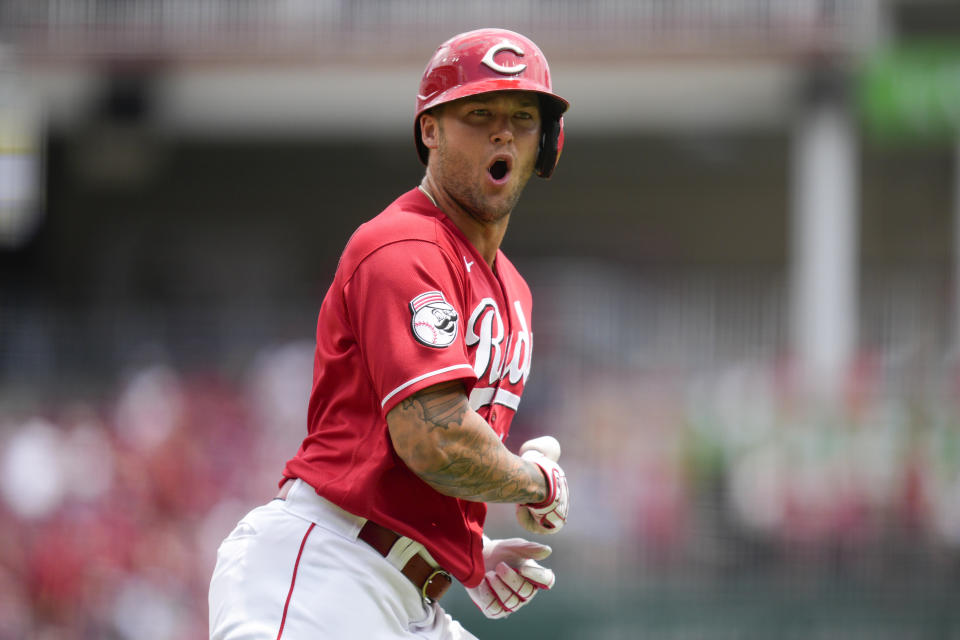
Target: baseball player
423, 349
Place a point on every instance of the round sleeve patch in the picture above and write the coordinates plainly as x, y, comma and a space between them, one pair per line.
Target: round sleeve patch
434, 321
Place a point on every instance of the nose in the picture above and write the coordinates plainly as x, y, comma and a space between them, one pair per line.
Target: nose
502, 133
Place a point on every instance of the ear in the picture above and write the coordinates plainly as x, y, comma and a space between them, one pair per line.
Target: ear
429, 131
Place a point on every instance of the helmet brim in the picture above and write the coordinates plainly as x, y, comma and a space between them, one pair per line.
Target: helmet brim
490, 86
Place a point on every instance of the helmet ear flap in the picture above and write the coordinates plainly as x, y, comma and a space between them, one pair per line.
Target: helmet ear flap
551, 142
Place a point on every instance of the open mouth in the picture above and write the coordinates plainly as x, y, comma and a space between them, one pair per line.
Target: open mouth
499, 170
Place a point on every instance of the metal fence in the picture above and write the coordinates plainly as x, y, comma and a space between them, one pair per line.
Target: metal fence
192, 29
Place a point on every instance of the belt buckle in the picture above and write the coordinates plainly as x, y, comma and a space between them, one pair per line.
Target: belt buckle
426, 583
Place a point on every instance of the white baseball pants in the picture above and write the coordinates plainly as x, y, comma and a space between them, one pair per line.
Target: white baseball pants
294, 570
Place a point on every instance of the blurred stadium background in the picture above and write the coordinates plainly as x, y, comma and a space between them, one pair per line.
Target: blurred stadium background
745, 273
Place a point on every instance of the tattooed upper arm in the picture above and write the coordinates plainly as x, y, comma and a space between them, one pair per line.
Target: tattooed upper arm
451, 448
438, 407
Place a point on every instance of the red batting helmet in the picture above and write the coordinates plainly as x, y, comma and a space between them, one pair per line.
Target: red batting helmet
488, 60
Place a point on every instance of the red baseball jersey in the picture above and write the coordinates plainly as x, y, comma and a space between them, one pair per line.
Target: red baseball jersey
412, 304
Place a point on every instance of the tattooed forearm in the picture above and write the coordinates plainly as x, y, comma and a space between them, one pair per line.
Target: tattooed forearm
456, 452
478, 467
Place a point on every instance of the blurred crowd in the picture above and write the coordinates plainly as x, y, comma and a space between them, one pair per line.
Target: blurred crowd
113, 511
735, 473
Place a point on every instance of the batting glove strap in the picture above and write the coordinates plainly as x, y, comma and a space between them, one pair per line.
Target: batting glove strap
549, 515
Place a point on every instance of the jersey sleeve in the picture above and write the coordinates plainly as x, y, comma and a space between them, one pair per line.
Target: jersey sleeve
405, 306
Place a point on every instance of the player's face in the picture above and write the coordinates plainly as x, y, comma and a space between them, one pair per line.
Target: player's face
487, 149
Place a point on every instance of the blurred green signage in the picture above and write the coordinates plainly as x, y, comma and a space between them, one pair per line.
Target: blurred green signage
912, 93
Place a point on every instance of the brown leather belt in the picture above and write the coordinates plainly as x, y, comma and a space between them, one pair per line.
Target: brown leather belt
432, 582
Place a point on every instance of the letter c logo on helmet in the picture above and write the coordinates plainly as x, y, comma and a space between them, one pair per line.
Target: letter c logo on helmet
499, 68
487, 60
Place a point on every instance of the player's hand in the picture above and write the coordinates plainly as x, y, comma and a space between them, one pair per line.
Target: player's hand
513, 576
551, 514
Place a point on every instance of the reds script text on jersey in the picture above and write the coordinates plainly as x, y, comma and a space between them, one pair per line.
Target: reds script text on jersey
412, 305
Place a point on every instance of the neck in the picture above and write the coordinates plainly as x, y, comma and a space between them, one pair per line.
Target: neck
485, 236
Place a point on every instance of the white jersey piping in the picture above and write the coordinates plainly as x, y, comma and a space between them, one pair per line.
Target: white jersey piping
423, 377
